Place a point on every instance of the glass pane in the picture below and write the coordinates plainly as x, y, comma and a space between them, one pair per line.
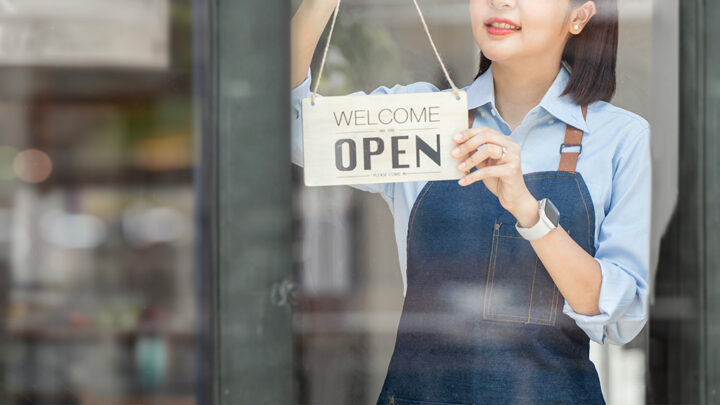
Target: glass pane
96, 202
122, 257
353, 239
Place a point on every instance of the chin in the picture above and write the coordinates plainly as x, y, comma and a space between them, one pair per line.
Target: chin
496, 54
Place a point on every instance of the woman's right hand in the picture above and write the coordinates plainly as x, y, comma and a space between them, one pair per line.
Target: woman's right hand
306, 27
322, 4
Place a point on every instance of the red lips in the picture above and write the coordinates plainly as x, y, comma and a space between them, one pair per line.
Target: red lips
501, 20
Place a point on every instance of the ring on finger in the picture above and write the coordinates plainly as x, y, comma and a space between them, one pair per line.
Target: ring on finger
504, 149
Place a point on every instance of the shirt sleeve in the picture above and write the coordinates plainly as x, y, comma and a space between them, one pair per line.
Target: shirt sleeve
386, 190
624, 248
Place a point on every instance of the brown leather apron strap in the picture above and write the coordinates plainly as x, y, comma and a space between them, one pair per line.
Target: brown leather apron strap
573, 137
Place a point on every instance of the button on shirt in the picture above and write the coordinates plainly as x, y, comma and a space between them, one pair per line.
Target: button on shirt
615, 163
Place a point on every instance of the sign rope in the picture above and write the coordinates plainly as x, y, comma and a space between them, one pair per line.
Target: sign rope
422, 18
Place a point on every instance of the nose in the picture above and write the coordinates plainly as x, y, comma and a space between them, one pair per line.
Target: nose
502, 3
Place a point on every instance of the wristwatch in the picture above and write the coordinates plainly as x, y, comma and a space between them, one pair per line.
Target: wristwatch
549, 218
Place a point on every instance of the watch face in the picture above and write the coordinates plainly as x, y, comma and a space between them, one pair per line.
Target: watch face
551, 212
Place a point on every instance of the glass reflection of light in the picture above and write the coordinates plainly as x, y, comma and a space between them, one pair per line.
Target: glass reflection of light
32, 165
145, 226
72, 230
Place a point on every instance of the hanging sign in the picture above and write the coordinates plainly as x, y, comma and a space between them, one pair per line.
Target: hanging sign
382, 138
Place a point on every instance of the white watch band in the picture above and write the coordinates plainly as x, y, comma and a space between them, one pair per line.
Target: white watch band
540, 229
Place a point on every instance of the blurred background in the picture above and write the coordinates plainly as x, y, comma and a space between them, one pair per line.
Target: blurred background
96, 201
150, 252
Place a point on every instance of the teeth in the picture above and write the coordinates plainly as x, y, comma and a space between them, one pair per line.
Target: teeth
504, 25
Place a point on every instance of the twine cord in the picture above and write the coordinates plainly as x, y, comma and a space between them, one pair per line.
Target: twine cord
327, 45
447, 76
422, 18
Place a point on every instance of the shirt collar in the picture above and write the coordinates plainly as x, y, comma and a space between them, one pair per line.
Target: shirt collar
482, 91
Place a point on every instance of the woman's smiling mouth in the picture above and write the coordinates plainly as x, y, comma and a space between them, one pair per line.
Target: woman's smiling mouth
501, 26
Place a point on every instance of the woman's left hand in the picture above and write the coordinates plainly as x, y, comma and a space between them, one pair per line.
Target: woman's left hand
502, 175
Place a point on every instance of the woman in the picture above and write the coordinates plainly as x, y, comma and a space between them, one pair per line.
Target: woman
487, 264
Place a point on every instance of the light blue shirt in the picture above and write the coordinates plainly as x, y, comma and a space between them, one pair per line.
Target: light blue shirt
615, 163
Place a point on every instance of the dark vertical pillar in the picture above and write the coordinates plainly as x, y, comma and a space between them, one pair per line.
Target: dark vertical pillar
711, 147
5, 288
685, 321
205, 182
245, 201
675, 319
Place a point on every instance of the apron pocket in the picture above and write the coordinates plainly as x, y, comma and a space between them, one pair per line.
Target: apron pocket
403, 401
518, 288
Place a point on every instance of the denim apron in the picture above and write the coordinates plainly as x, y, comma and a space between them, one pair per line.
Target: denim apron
482, 319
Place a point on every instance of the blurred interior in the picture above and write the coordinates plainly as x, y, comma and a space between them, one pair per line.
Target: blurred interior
96, 201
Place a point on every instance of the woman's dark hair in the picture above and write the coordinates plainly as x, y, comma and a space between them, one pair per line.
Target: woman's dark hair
591, 55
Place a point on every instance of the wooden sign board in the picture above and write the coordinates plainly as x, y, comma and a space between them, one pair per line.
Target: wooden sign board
382, 138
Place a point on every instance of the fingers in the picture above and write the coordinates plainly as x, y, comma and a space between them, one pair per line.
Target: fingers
486, 151
468, 133
485, 172
470, 139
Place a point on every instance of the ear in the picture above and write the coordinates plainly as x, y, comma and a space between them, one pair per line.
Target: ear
581, 16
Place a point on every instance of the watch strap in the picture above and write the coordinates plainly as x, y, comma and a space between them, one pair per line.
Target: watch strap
540, 229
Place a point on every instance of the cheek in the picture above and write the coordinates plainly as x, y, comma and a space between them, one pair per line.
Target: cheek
543, 21
540, 35
542, 25
543, 18
476, 15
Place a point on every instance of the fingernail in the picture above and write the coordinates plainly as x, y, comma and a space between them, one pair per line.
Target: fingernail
457, 137
461, 181
461, 166
456, 151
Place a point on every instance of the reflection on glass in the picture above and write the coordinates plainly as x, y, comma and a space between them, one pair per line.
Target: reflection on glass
346, 335
96, 202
